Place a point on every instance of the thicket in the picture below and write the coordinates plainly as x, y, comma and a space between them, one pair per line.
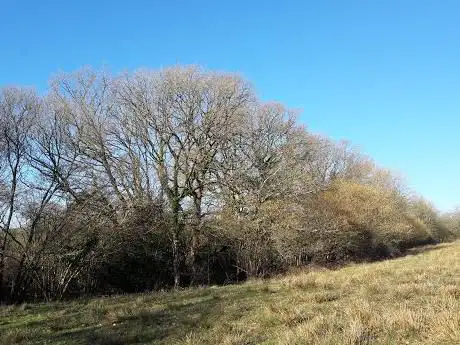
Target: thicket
180, 177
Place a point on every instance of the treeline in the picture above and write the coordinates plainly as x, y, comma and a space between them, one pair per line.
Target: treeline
181, 177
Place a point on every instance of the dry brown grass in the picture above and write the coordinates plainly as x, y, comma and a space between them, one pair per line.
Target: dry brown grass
410, 300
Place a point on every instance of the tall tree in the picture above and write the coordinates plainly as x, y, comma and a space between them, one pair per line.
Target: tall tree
18, 112
181, 118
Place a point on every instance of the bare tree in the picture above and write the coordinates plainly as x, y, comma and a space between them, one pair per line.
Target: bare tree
182, 117
18, 111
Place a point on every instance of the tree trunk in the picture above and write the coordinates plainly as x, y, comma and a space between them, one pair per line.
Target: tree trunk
176, 269
176, 231
195, 232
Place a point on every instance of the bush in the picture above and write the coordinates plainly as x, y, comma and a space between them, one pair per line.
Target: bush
356, 221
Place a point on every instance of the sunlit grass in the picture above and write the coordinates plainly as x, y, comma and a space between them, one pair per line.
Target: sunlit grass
411, 300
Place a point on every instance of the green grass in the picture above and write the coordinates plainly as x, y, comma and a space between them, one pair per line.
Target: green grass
410, 300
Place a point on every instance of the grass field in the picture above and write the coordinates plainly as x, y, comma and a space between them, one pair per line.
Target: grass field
410, 300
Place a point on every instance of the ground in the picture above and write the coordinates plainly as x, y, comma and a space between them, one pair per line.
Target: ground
410, 300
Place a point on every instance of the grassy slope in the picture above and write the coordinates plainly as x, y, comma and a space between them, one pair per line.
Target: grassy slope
411, 300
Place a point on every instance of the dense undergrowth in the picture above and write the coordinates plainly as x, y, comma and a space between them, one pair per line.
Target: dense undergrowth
410, 300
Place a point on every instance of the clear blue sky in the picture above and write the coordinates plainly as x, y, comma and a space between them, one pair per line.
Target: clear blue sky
383, 74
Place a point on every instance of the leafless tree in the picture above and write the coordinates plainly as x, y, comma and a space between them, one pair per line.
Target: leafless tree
181, 118
19, 109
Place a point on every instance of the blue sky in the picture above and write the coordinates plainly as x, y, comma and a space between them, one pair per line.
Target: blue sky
383, 74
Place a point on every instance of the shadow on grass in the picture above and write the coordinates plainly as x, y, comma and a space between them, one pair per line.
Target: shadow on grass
179, 318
